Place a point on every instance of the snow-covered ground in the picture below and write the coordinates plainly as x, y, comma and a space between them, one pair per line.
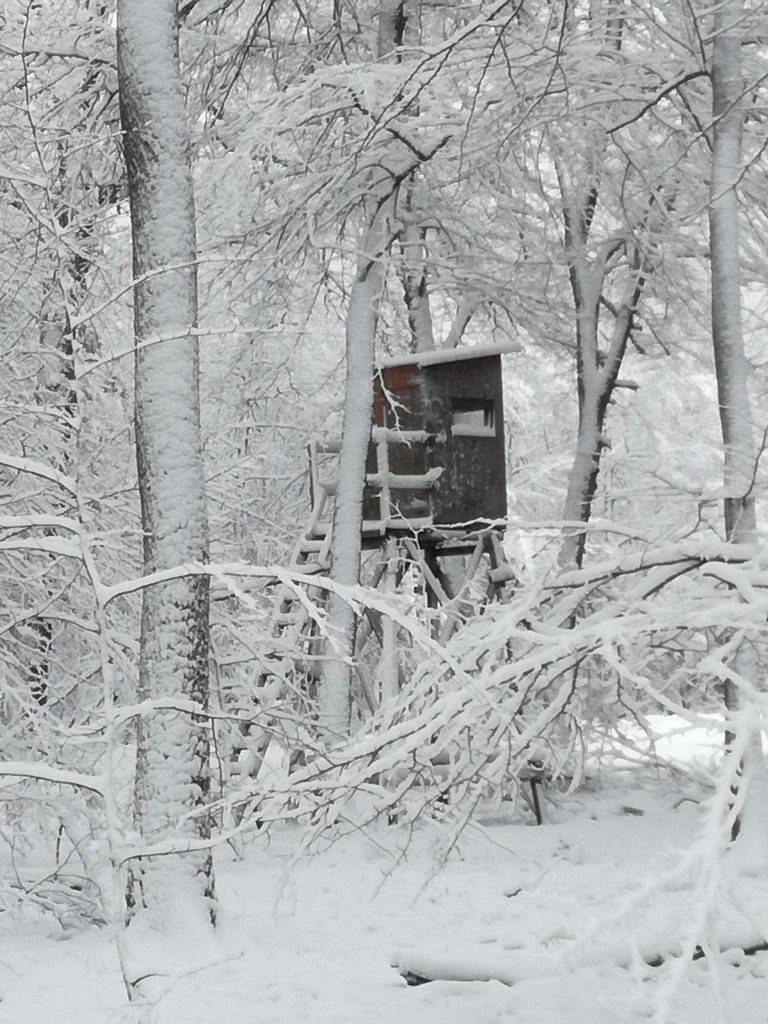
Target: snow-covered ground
567, 914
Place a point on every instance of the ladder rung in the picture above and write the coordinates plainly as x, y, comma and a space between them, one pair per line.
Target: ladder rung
310, 544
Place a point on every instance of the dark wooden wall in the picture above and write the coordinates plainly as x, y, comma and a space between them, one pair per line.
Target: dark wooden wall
473, 485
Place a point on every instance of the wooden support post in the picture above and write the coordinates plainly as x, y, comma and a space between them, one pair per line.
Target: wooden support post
454, 616
389, 681
501, 573
436, 594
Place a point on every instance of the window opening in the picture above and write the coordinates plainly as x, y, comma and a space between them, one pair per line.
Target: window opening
473, 417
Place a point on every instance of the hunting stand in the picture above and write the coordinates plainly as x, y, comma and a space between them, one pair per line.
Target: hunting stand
434, 507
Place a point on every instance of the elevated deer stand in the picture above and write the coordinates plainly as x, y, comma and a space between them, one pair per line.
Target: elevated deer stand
435, 496
434, 506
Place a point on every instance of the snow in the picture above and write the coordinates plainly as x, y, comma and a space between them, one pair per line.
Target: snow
566, 915
449, 355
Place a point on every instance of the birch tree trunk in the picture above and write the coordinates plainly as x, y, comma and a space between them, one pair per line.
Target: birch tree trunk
335, 702
731, 369
172, 769
335, 695
730, 359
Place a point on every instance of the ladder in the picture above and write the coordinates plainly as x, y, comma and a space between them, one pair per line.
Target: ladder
292, 629
291, 632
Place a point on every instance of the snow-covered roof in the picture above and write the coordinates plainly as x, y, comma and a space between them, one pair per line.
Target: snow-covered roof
448, 355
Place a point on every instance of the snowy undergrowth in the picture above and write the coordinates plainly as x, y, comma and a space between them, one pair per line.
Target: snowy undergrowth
567, 914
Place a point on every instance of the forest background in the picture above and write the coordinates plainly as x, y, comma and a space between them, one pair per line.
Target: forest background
581, 182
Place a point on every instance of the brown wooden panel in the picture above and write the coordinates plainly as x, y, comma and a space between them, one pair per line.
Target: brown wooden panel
473, 484
402, 382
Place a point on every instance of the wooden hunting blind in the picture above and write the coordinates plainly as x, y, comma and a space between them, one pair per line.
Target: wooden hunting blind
436, 459
438, 440
435, 493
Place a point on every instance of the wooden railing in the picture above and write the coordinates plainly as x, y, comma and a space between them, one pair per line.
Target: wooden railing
323, 462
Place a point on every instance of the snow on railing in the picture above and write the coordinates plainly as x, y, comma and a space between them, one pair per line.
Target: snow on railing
323, 456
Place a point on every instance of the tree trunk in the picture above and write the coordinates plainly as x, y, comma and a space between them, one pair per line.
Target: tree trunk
731, 369
57, 380
402, 24
596, 371
172, 770
346, 545
335, 694
413, 275
730, 360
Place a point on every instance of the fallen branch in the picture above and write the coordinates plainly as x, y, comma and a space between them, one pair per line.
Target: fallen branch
529, 964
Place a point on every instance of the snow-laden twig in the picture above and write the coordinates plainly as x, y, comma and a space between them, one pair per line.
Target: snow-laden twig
48, 773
